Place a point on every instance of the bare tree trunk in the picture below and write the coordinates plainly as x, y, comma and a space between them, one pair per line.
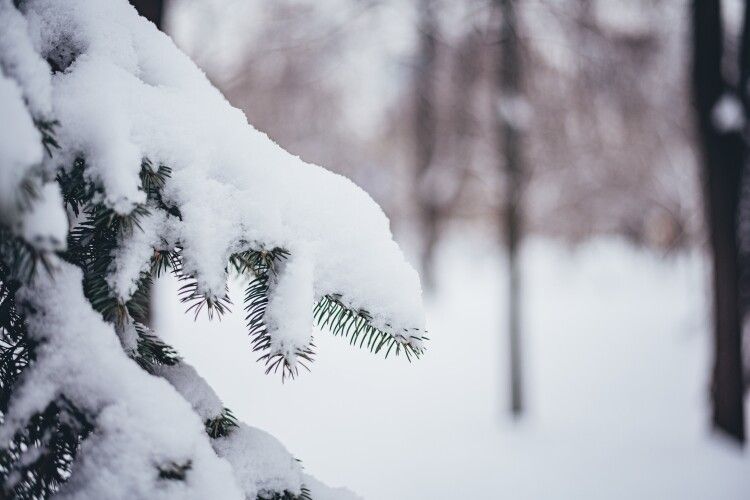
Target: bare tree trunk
424, 136
153, 10
743, 215
510, 122
723, 162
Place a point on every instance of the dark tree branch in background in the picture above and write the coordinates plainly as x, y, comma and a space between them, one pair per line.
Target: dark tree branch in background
510, 107
744, 201
153, 10
425, 125
723, 163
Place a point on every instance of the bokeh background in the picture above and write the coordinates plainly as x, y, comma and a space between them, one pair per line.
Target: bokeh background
540, 164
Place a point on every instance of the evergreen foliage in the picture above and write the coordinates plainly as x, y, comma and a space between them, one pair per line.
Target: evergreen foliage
331, 313
40, 448
39, 460
222, 425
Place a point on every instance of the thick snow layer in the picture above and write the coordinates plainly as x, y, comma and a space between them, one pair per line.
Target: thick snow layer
20, 60
141, 422
319, 491
617, 362
133, 255
234, 186
45, 223
291, 299
20, 147
193, 388
114, 92
260, 463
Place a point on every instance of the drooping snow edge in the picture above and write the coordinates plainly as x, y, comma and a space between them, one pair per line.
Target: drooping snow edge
123, 107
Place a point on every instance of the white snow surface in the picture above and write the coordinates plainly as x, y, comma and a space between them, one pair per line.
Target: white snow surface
20, 147
234, 186
45, 224
320, 491
141, 422
133, 255
260, 462
617, 363
193, 388
122, 92
291, 298
20, 60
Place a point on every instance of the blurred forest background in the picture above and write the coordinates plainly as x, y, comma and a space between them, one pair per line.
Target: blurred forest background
401, 96
565, 120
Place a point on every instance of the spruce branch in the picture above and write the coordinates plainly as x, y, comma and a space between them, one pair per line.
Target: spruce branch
77, 191
16, 353
190, 292
28, 188
91, 247
162, 261
38, 460
139, 305
174, 471
153, 181
21, 260
330, 313
262, 265
47, 129
286, 495
28, 191
222, 425
258, 262
356, 325
152, 351
16, 349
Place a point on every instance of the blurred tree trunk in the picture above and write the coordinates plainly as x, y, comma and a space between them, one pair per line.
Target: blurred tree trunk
743, 215
510, 111
723, 151
424, 136
153, 10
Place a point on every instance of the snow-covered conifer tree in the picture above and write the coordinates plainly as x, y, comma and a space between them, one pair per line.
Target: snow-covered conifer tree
119, 162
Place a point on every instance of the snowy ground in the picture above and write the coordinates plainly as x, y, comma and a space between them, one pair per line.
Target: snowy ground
617, 357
